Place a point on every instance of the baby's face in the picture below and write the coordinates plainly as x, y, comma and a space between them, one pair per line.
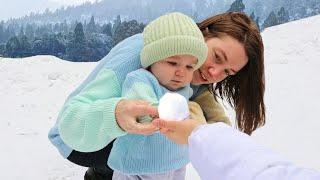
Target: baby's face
174, 72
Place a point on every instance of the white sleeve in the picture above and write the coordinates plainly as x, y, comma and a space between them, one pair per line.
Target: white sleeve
217, 151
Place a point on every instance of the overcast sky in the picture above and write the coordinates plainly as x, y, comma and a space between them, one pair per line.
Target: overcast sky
18, 8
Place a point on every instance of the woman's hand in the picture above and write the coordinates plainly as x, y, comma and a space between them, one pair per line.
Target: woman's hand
127, 112
177, 131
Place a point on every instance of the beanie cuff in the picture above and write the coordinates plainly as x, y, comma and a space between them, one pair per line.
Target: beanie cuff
173, 46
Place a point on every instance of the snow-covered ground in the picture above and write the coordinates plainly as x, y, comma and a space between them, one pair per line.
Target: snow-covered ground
32, 90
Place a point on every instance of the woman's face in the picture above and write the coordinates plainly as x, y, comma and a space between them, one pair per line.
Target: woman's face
226, 56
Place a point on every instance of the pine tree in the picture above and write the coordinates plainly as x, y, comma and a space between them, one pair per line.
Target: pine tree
98, 46
2, 50
13, 47
79, 36
271, 20
116, 24
29, 32
76, 48
2, 32
25, 47
91, 26
64, 27
257, 22
21, 33
252, 16
127, 29
237, 6
10, 32
255, 19
107, 29
283, 16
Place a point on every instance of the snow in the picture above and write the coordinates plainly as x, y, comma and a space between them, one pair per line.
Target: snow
33, 90
292, 91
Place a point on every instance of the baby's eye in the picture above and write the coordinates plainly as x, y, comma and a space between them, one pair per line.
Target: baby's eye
190, 67
172, 63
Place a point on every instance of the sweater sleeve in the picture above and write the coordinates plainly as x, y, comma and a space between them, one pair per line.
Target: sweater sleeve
87, 121
218, 151
212, 110
139, 85
196, 111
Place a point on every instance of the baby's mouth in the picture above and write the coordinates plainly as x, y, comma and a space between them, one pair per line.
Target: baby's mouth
176, 81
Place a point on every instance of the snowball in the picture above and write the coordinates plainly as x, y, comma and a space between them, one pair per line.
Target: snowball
173, 106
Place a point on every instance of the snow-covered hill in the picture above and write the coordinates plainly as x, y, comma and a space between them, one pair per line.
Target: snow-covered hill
32, 90
292, 56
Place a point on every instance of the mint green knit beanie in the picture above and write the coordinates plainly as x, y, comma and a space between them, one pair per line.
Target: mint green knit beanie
170, 35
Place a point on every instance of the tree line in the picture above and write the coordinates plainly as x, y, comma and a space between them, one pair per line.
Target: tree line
75, 42
82, 41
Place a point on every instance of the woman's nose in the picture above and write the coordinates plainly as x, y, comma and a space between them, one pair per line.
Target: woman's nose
215, 72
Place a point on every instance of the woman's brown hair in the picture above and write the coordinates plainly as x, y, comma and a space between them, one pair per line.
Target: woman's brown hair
245, 90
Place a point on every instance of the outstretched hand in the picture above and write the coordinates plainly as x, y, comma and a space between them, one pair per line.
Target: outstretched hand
127, 112
177, 131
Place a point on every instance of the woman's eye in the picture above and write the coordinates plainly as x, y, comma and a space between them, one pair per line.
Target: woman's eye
217, 58
227, 72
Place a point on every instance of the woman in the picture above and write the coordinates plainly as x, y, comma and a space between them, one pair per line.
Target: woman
94, 115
